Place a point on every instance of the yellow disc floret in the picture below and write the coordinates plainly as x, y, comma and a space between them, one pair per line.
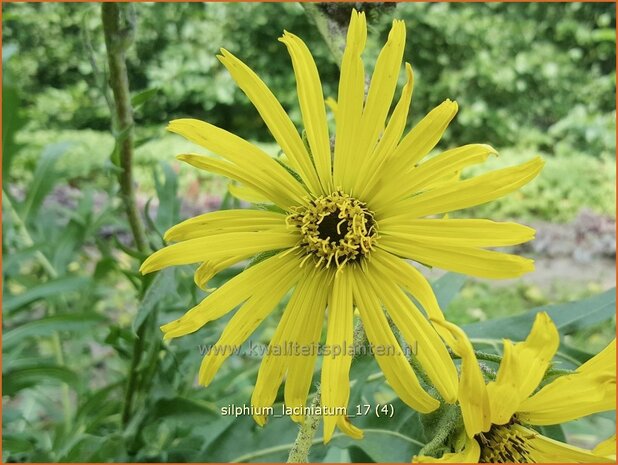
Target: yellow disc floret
335, 229
504, 444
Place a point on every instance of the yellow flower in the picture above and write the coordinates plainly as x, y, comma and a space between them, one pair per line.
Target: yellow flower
342, 227
497, 415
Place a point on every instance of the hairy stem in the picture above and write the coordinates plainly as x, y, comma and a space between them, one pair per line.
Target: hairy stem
305, 438
119, 31
448, 422
300, 450
118, 38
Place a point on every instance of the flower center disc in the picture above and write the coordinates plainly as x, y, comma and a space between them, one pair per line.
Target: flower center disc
335, 228
503, 444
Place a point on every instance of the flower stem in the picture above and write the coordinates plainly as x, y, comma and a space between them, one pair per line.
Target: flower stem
305, 438
118, 38
447, 423
119, 31
300, 450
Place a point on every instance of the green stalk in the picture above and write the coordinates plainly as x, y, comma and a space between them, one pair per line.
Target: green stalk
305, 438
119, 31
118, 38
300, 450
448, 422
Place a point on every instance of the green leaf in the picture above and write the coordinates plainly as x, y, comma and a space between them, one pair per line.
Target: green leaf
119, 139
554, 432
141, 98
98, 406
17, 379
169, 204
45, 326
12, 115
447, 287
17, 443
162, 285
229, 202
574, 355
95, 449
141, 256
241, 441
568, 318
12, 123
260, 257
186, 409
18, 257
44, 178
270, 207
385, 439
290, 170
65, 284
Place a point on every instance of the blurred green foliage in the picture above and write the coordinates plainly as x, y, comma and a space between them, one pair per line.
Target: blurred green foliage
529, 78
536, 75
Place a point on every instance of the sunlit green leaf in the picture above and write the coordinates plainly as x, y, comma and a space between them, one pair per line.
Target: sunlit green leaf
21, 378
47, 325
12, 303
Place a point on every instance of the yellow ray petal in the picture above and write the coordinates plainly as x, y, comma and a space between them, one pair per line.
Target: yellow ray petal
240, 244
339, 339
208, 269
471, 453
427, 346
522, 369
422, 138
225, 221
464, 194
473, 397
449, 162
457, 232
371, 175
542, 449
348, 428
247, 194
233, 292
414, 283
533, 356
467, 260
503, 393
275, 363
312, 107
350, 101
408, 277
254, 179
427, 175
387, 350
242, 153
302, 361
275, 117
379, 98
393, 186
603, 362
245, 322
591, 389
